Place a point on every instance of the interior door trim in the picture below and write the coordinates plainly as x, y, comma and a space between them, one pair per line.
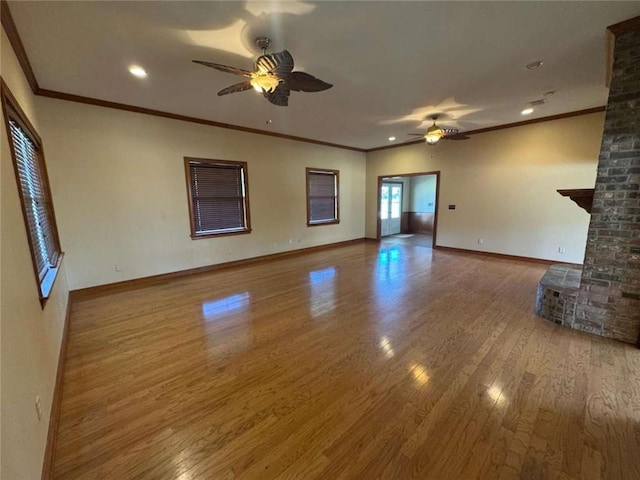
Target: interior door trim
403, 175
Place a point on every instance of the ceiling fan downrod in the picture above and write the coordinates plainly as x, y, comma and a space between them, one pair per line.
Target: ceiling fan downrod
263, 43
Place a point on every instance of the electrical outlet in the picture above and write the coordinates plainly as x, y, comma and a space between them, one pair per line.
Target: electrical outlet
561, 249
38, 407
480, 241
117, 267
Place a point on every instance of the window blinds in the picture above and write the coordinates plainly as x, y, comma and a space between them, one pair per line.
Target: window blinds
37, 205
217, 196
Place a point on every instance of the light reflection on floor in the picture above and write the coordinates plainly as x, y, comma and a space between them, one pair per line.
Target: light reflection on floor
385, 344
234, 309
495, 393
323, 291
419, 374
316, 276
215, 308
388, 254
392, 292
389, 281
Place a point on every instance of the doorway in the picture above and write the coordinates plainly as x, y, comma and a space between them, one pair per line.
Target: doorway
390, 208
408, 208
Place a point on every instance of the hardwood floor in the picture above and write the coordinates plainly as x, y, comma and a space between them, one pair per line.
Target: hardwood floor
367, 361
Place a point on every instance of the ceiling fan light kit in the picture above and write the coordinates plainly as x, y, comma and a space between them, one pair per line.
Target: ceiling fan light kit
264, 83
435, 133
272, 76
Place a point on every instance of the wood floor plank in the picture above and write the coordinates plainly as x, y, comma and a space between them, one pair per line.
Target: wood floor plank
368, 361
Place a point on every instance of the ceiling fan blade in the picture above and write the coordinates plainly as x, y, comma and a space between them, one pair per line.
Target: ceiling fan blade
417, 134
279, 63
303, 82
280, 96
238, 87
450, 131
225, 68
459, 136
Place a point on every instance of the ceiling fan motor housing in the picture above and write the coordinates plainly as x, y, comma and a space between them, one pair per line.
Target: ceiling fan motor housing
263, 43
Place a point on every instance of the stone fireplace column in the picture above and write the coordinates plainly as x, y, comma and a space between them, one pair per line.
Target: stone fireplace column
608, 302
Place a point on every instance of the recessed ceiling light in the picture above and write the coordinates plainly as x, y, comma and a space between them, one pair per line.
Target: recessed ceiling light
534, 65
137, 71
527, 111
392, 139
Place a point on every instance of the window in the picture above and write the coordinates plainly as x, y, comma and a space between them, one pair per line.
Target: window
35, 195
322, 197
218, 197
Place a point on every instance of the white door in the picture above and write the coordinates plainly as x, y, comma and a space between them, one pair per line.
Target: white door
390, 208
384, 210
396, 209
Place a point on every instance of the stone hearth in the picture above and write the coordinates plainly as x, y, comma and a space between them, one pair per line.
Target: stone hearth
557, 294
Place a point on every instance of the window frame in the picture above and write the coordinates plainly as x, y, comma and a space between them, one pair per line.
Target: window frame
245, 184
336, 176
11, 111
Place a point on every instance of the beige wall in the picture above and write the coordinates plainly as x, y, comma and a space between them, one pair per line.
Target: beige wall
30, 336
504, 184
423, 193
121, 195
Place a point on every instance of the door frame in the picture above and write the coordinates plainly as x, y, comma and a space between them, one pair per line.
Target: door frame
403, 175
390, 182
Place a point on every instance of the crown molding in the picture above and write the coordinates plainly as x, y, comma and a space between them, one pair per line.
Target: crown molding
174, 116
549, 118
16, 43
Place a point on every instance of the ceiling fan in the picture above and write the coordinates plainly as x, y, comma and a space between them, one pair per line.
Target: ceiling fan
272, 76
435, 133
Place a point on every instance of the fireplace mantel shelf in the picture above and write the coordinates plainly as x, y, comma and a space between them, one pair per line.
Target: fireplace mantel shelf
582, 196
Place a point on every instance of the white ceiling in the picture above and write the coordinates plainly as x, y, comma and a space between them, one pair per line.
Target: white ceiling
392, 63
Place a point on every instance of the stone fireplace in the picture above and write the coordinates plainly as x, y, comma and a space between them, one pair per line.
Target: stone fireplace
606, 300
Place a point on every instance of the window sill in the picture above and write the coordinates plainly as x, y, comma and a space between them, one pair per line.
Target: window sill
324, 222
46, 285
198, 236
